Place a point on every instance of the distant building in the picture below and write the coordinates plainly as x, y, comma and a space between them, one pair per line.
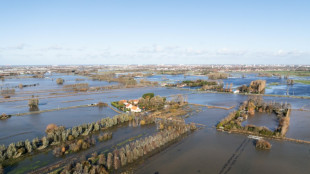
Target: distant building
128, 106
135, 102
236, 91
123, 101
135, 109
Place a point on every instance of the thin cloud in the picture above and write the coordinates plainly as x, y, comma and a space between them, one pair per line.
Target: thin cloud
15, 47
284, 53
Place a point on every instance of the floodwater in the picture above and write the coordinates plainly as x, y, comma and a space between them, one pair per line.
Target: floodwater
49, 82
236, 79
120, 135
204, 151
299, 125
210, 151
25, 127
30, 126
262, 119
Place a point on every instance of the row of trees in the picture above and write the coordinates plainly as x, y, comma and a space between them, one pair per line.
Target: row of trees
153, 103
76, 87
256, 104
128, 153
7, 93
77, 145
215, 76
59, 135
199, 82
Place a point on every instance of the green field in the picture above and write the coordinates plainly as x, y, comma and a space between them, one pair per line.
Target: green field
295, 73
303, 81
273, 84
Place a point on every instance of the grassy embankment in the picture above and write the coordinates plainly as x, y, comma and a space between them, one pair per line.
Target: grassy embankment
293, 73
248, 94
273, 84
307, 82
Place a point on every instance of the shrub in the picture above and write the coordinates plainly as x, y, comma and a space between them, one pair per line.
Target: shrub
102, 104
35, 143
11, 150
51, 128
101, 159
265, 131
109, 160
142, 122
148, 95
105, 136
60, 81
263, 144
45, 142
33, 103
28, 146
193, 126
4, 116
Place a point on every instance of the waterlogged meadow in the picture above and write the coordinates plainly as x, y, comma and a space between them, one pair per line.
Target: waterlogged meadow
93, 138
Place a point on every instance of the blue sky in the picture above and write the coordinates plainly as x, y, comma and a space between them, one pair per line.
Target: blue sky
154, 32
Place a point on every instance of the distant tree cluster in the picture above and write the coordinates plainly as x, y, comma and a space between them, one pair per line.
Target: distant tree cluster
83, 87
264, 74
76, 146
218, 75
199, 82
149, 102
104, 77
60, 81
145, 82
7, 92
256, 87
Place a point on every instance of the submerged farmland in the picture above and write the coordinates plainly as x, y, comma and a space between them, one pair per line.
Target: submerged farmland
116, 123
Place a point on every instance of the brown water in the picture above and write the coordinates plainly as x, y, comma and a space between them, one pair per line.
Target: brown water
25, 127
209, 151
263, 119
299, 125
121, 133
205, 151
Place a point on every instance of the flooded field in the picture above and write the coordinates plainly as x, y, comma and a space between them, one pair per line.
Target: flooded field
299, 125
209, 151
205, 150
120, 135
30, 126
262, 119
275, 85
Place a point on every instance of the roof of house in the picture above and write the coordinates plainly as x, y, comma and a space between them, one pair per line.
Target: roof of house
134, 107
